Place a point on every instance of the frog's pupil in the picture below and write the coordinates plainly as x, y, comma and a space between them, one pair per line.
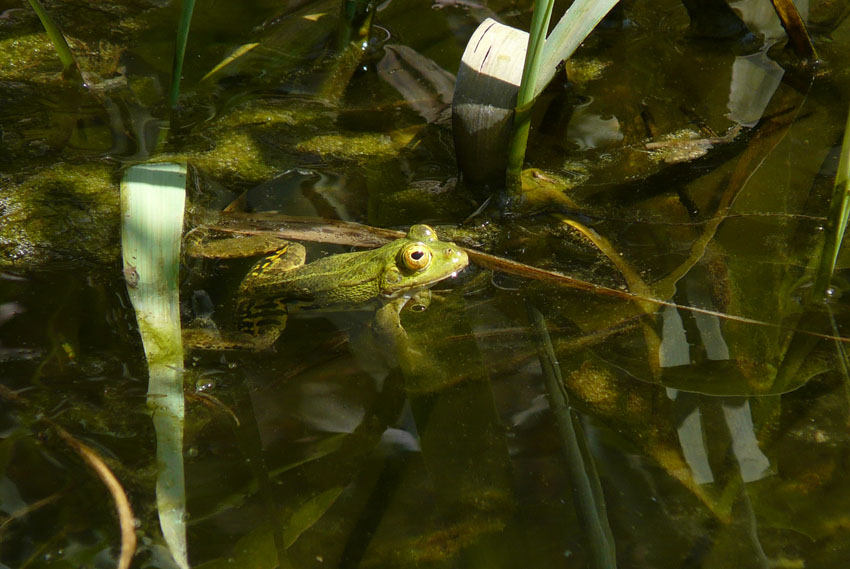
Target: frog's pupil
417, 255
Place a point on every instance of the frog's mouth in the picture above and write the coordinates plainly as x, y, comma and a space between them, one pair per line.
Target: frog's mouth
417, 288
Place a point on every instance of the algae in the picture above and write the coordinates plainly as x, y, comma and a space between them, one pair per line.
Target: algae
353, 146
29, 57
64, 212
236, 156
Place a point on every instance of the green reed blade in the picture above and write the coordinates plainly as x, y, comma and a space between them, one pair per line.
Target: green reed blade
587, 489
572, 29
186, 9
71, 70
536, 40
152, 204
522, 117
542, 59
839, 212
840, 206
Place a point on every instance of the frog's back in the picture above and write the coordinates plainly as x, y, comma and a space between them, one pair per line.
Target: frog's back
346, 278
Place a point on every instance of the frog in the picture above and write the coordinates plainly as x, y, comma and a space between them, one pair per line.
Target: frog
388, 279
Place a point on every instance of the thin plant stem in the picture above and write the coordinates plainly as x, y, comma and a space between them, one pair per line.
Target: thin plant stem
839, 212
525, 97
186, 9
795, 27
542, 59
119, 496
71, 70
587, 490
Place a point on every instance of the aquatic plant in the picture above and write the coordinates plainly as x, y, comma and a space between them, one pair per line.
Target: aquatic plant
187, 7
69, 64
152, 203
543, 57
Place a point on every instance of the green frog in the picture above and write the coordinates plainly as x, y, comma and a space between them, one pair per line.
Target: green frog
389, 277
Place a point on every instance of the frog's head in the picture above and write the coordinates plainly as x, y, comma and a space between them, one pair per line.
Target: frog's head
419, 260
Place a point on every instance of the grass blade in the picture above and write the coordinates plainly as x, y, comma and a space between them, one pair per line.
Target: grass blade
186, 9
839, 212
572, 29
587, 490
71, 70
541, 61
522, 117
152, 203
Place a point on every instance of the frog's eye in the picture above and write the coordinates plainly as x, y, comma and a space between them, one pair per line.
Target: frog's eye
422, 233
415, 257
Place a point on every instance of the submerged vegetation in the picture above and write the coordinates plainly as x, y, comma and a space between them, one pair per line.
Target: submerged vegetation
644, 364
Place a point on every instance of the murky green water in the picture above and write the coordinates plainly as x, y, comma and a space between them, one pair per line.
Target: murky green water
710, 431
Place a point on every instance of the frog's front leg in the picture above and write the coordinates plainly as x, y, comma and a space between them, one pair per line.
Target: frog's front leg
387, 325
393, 338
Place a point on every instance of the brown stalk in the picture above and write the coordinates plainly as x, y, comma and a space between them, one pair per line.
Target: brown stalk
122, 504
90, 456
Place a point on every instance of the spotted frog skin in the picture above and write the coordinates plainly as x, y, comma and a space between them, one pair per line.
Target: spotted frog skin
391, 276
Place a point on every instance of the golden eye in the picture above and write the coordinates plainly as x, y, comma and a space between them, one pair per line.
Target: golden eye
416, 257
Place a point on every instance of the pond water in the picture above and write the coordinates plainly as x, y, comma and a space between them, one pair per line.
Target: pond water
689, 408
